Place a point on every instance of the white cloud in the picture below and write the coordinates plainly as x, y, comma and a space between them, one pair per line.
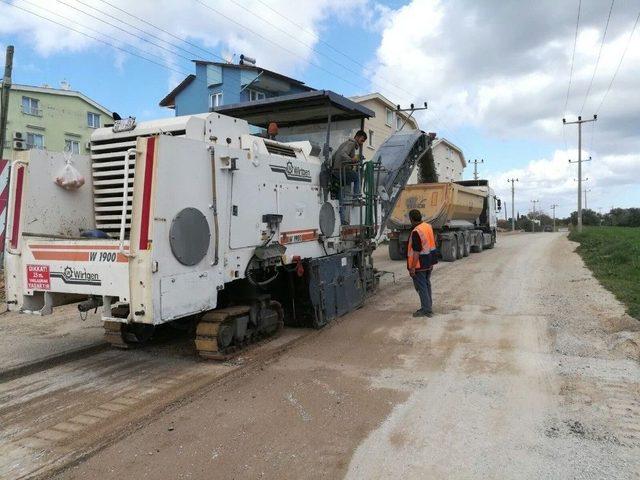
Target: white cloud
553, 180
215, 30
504, 67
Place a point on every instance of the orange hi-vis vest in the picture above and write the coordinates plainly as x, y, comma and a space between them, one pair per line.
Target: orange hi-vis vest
428, 241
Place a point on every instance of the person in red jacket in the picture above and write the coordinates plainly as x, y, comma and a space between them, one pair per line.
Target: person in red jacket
421, 256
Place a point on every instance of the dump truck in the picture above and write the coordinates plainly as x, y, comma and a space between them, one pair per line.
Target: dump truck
195, 219
462, 214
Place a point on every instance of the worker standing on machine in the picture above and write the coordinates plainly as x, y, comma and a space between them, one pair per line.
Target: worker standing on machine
421, 256
342, 167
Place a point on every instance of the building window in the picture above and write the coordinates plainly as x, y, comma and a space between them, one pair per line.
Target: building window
31, 106
370, 138
215, 100
255, 95
72, 146
35, 140
399, 122
93, 120
389, 121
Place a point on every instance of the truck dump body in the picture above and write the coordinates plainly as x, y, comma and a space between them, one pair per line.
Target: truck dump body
439, 203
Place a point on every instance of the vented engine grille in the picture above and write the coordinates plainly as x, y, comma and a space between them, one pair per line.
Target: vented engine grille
107, 167
277, 149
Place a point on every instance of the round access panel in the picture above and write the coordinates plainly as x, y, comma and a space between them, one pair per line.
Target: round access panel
189, 236
327, 219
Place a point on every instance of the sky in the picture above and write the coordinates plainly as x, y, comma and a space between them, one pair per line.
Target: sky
498, 76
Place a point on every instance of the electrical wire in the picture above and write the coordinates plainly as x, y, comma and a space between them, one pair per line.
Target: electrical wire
619, 63
595, 68
210, 52
92, 37
312, 48
121, 29
573, 56
165, 61
437, 119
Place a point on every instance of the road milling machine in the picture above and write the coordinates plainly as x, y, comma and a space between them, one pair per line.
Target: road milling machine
194, 218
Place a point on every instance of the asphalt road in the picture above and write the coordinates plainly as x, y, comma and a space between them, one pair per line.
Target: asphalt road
529, 369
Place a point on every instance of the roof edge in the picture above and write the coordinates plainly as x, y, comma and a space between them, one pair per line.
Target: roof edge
60, 91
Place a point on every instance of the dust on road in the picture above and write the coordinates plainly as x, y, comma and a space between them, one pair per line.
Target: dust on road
528, 370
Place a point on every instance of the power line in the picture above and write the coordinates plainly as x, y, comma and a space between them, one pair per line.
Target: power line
573, 56
619, 63
91, 36
348, 69
348, 57
359, 86
314, 35
595, 68
117, 40
122, 29
164, 31
291, 52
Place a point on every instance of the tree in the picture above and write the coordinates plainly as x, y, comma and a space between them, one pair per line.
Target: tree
589, 217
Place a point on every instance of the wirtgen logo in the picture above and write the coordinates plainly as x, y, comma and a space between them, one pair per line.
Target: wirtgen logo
293, 172
76, 276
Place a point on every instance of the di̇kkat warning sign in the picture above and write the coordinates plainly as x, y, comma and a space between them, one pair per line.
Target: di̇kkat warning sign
38, 277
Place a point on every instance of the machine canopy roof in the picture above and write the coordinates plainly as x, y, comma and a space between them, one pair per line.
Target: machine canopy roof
297, 109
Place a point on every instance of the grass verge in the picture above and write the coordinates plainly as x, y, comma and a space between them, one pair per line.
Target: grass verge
613, 255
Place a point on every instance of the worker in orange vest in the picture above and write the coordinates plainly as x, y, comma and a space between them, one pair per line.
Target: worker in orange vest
421, 257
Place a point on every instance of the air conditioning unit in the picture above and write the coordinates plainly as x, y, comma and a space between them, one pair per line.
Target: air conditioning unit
19, 145
87, 145
18, 136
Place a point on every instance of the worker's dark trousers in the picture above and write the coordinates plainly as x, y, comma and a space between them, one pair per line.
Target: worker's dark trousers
422, 282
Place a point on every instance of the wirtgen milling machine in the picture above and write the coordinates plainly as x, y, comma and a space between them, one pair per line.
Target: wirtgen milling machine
195, 218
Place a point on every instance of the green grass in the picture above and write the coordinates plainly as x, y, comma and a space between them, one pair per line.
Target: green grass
613, 255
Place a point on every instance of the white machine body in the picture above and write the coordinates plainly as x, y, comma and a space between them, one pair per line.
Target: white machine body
185, 202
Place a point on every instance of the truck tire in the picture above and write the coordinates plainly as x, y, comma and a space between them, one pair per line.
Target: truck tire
449, 250
476, 244
460, 245
467, 244
493, 242
394, 250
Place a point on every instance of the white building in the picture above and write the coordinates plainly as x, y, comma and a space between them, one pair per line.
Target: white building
386, 122
449, 161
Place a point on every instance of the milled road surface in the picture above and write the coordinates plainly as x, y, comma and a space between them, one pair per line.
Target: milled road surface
529, 369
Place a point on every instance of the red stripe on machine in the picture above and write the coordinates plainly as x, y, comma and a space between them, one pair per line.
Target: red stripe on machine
146, 194
17, 208
4, 198
3, 165
54, 246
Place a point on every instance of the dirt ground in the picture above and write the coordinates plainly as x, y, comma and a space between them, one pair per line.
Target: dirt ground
28, 338
529, 369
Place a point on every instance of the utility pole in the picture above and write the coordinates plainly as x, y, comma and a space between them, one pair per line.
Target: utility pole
505, 211
4, 112
533, 220
585, 197
553, 207
4, 106
475, 167
579, 122
513, 218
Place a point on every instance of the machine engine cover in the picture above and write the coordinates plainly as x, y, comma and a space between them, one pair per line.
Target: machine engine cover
189, 236
327, 219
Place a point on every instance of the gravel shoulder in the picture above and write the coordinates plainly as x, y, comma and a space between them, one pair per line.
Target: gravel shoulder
530, 369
